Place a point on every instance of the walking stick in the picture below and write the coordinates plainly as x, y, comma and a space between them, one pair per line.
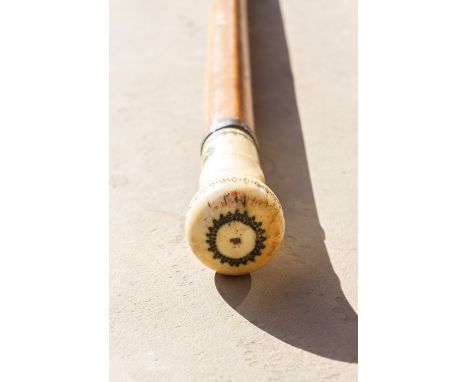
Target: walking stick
234, 223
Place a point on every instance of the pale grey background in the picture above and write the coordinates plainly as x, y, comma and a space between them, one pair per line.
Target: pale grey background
172, 319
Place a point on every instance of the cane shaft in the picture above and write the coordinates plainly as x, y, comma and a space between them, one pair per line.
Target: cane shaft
228, 88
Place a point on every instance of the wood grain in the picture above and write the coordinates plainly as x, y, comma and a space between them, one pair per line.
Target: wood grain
228, 87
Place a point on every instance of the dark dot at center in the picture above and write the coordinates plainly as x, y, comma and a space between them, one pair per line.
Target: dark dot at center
235, 240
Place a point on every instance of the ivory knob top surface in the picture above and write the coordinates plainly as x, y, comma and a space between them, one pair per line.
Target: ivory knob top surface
235, 225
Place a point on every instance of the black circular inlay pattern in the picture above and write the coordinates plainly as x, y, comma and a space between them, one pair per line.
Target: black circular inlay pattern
243, 218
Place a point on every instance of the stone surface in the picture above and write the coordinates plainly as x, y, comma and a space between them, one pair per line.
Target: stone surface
170, 318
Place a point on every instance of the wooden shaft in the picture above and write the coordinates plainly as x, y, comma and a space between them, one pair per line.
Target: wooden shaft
228, 88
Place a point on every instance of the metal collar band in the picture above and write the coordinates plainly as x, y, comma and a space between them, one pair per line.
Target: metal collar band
233, 124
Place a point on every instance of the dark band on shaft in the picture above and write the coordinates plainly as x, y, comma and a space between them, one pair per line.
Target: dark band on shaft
232, 124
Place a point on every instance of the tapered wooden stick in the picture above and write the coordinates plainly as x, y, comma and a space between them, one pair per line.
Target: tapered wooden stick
235, 223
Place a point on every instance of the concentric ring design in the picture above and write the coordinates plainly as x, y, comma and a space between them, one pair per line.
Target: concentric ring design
243, 218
